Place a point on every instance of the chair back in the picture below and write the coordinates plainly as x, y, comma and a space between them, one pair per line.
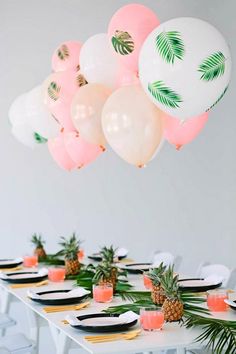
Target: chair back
216, 269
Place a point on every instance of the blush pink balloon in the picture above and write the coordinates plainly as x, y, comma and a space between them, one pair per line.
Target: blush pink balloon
180, 133
57, 149
126, 77
79, 150
137, 21
66, 56
58, 90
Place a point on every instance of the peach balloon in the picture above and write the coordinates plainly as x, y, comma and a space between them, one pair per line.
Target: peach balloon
126, 77
127, 31
180, 133
86, 110
79, 150
132, 125
66, 56
58, 90
56, 147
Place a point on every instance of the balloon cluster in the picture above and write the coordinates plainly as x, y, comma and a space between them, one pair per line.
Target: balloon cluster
133, 87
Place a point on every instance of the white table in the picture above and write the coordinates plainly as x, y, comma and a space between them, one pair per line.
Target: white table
172, 336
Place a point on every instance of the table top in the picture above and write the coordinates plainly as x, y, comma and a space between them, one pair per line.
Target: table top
172, 336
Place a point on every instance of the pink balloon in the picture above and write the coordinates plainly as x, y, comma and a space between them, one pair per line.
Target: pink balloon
80, 151
56, 147
58, 91
126, 77
66, 56
180, 133
128, 29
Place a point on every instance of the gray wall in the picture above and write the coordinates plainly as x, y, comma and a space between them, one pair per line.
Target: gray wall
183, 202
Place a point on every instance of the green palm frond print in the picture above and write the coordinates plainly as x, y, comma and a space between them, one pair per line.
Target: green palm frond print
218, 99
80, 80
212, 67
63, 52
164, 94
53, 91
170, 46
39, 138
123, 43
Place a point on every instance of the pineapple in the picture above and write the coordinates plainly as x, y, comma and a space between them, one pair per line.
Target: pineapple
70, 251
172, 307
108, 254
38, 242
106, 273
157, 293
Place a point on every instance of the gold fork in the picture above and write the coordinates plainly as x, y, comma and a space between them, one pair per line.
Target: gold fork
29, 285
113, 337
52, 309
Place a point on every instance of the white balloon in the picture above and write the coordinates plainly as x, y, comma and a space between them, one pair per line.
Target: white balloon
98, 62
185, 66
39, 118
24, 134
17, 112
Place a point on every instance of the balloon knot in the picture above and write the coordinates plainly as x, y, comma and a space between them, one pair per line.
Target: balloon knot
80, 166
178, 147
141, 166
62, 130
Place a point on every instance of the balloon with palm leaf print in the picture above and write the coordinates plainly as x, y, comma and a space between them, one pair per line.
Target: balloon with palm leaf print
66, 56
185, 67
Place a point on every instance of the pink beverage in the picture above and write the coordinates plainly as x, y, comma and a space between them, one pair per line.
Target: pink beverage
151, 319
81, 255
103, 293
56, 274
215, 300
147, 281
30, 261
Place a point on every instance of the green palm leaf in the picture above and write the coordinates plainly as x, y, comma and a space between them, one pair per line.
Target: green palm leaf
123, 43
164, 94
53, 91
39, 138
218, 99
212, 67
170, 46
63, 52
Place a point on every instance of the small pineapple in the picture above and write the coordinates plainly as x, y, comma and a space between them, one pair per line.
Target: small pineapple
172, 307
106, 273
70, 251
108, 254
157, 293
38, 242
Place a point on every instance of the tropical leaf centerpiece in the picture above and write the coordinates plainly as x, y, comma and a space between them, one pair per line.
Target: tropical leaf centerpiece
123, 43
70, 250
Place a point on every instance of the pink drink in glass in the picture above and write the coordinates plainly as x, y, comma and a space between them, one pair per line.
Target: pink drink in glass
30, 261
103, 293
151, 319
215, 300
56, 274
147, 281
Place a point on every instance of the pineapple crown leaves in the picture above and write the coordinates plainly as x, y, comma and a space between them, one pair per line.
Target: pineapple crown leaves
37, 240
156, 274
70, 247
103, 271
169, 283
108, 254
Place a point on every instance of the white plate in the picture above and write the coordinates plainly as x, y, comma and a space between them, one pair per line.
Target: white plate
24, 276
102, 321
5, 262
193, 283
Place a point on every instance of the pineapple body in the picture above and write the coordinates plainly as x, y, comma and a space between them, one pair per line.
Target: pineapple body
158, 295
40, 252
111, 279
173, 310
72, 266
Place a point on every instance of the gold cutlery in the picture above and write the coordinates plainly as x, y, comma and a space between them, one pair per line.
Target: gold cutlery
113, 337
52, 309
11, 269
29, 285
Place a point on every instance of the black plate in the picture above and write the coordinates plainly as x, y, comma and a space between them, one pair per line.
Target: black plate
10, 265
25, 280
233, 307
196, 289
97, 257
101, 329
68, 301
135, 271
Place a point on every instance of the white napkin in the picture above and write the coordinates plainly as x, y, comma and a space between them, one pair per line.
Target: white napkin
33, 295
3, 275
121, 252
128, 316
43, 271
214, 279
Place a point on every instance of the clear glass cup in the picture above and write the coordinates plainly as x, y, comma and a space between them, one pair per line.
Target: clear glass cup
30, 261
56, 274
151, 318
103, 293
216, 300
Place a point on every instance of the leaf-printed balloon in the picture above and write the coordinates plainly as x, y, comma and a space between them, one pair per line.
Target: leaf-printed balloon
63, 52
212, 67
218, 99
80, 80
53, 91
39, 138
123, 43
170, 46
164, 94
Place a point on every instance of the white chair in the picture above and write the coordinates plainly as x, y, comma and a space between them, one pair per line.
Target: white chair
167, 258
221, 270
16, 344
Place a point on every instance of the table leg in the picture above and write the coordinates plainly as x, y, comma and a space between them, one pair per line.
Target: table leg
6, 298
181, 351
61, 340
34, 328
